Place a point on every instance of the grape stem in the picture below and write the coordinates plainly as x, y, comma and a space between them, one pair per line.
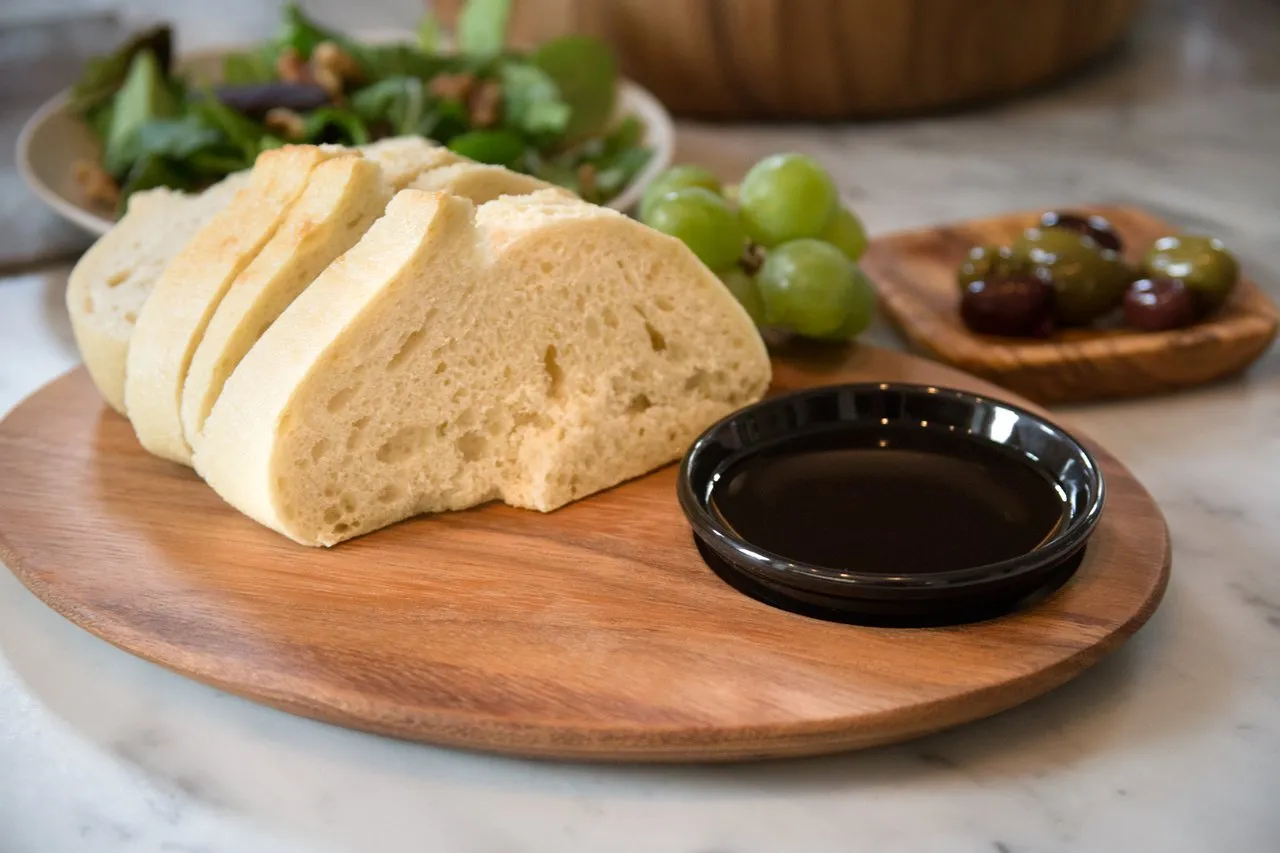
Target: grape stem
752, 258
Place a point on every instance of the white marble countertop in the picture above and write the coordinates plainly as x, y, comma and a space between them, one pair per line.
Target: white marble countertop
1172, 744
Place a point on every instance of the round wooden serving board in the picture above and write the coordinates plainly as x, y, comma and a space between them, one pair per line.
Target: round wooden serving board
594, 632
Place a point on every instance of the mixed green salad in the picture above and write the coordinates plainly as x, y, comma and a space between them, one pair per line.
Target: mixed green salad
548, 112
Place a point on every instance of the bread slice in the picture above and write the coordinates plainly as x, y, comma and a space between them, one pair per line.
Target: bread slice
479, 182
535, 350
343, 197
174, 317
112, 280
404, 158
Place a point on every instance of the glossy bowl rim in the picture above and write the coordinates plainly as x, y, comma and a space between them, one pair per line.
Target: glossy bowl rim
777, 570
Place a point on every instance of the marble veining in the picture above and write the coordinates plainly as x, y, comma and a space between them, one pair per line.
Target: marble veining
1172, 744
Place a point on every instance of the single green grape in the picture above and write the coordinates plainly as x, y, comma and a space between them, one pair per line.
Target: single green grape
676, 178
860, 309
805, 286
846, 233
704, 222
787, 197
743, 287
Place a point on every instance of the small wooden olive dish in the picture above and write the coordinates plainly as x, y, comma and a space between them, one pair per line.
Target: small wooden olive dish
915, 274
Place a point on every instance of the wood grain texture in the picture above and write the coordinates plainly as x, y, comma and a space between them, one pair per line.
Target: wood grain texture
594, 632
914, 274
829, 59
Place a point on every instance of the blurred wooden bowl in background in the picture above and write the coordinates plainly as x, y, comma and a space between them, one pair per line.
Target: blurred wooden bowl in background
831, 59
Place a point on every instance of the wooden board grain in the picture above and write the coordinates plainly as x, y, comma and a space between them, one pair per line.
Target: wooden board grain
594, 632
915, 275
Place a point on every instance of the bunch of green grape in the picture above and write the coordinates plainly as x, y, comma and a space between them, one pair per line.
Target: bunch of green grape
785, 246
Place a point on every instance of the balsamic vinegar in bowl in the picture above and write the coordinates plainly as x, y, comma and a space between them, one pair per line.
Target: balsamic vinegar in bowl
915, 504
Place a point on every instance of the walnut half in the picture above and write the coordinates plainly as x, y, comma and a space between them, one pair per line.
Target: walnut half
285, 123
484, 104
292, 68
333, 68
96, 185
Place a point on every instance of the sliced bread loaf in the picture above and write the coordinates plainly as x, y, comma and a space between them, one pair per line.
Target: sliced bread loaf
174, 317
112, 280
342, 199
340, 203
536, 351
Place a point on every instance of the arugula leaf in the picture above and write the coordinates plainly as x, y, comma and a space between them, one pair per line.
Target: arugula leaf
585, 71
377, 101
217, 163
99, 120
303, 34
499, 147
176, 139
331, 124
240, 131
394, 60
143, 96
398, 101
482, 27
429, 34
588, 150
104, 75
248, 67
619, 170
558, 174
531, 100
628, 134
445, 122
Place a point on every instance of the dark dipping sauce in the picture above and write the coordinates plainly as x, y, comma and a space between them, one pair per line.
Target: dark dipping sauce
888, 501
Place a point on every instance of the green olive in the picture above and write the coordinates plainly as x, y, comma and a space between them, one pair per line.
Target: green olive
1202, 264
1088, 281
984, 262
1046, 245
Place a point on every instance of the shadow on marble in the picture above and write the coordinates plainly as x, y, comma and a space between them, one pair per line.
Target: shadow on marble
233, 755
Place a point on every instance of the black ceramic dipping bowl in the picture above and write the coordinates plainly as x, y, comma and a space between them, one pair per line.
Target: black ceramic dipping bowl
891, 504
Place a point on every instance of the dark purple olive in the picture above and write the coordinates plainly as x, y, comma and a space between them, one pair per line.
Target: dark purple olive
1102, 231
256, 99
1157, 304
1013, 306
